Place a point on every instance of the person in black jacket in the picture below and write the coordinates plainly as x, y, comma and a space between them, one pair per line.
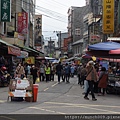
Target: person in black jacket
58, 71
34, 73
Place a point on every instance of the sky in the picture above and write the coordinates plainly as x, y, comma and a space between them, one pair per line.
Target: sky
55, 15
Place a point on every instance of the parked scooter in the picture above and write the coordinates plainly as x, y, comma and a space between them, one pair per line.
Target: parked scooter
4, 77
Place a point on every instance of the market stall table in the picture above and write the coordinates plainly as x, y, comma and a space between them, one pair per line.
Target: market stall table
19, 88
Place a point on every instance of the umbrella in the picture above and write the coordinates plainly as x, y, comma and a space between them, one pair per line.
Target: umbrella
105, 46
117, 51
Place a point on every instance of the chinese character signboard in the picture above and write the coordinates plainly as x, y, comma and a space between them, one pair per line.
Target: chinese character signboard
38, 30
5, 10
22, 22
108, 16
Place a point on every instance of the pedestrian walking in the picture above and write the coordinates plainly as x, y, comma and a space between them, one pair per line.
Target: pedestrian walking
91, 77
42, 72
79, 73
47, 73
34, 73
63, 73
72, 70
52, 72
20, 71
67, 73
102, 83
58, 71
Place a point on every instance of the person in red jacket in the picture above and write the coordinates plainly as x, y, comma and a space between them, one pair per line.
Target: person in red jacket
102, 84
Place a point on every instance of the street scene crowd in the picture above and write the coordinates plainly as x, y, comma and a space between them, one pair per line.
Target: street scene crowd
92, 76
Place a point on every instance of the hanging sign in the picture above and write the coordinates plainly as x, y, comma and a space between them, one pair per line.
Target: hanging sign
22, 22
108, 16
5, 10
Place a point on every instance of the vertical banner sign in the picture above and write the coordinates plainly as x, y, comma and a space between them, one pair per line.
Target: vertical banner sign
5, 10
22, 22
108, 16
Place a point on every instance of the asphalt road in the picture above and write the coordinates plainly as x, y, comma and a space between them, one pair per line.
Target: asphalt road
63, 98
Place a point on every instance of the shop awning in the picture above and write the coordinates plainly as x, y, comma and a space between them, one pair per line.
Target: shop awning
33, 50
104, 46
5, 43
117, 51
13, 50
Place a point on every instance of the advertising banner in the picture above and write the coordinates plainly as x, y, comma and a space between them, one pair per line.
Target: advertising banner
22, 22
30, 60
38, 30
18, 39
14, 50
108, 16
5, 10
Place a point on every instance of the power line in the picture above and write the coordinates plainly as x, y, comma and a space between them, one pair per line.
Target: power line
47, 9
46, 15
50, 12
50, 16
54, 4
60, 3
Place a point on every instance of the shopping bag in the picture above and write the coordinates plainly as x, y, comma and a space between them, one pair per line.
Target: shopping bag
37, 80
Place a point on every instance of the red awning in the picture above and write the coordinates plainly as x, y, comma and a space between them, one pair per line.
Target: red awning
14, 50
112, 60
117, 51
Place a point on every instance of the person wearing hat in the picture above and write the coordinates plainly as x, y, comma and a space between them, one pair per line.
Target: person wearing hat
91, 77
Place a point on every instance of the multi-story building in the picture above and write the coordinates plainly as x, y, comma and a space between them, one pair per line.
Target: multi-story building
76, 28
61, 37
9, 28
92, 23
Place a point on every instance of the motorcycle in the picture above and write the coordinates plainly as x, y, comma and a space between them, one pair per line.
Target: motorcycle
4, 77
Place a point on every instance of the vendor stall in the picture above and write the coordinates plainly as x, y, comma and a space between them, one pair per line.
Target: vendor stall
21, 88
113, 84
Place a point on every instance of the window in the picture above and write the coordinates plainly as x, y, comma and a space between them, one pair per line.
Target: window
77, 31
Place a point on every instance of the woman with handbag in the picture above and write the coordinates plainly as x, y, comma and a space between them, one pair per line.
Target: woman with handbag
91, 77
102, 83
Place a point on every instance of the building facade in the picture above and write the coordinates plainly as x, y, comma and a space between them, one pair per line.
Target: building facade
76, 28
20, 8
61, 37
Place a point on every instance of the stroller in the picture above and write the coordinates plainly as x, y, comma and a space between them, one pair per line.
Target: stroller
113, 86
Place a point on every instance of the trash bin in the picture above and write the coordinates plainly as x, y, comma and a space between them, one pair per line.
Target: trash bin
35, 92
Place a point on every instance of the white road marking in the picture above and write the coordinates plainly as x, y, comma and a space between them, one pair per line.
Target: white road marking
45, 89
84, 106
54, 84
81, 104
2, 101
51, 86
46, 110
72, 96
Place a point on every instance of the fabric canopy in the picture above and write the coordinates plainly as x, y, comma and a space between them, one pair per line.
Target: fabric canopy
117, 51
104, 46
103, 54
112, 60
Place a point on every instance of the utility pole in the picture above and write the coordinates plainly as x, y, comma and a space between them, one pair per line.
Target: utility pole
60, 44
28, 32
50, 47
